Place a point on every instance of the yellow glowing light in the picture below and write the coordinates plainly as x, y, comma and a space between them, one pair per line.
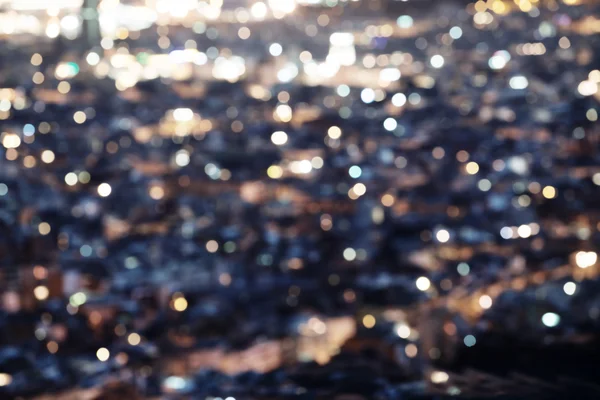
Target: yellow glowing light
387, 200
79, 117
369, 321
134, 339
525, 6
472, 168
499, 7
156, 192
587, 88
439, 377
360, 189
103, 354
275, 172
29, 161
549, 192
38, 78
36, 59
180, 304
334, 132
48, 156
480, 6
11, 154
41, 292
44, 228
11, 140
64, 87
585, 259
5, 379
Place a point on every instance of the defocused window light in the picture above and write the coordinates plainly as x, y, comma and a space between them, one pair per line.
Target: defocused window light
456, 32
279, 138
564, 42
485, 301
442, 236
367, 95
550, 319
518, 82
275, 172
484, 185
472, 168
275, 49
423, 283
499, 59
92, 59
585, 259
343, 90
524, 231
355, 171
549, 192
317, 162
47, 156
360, 189
349, 254
506, 232
182, 158
390, 124
104, 190
404, 21
570, 288
399, 99
437, 61
470, 341
103, 354
587, 88
334, 132
259, 10
389, 74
